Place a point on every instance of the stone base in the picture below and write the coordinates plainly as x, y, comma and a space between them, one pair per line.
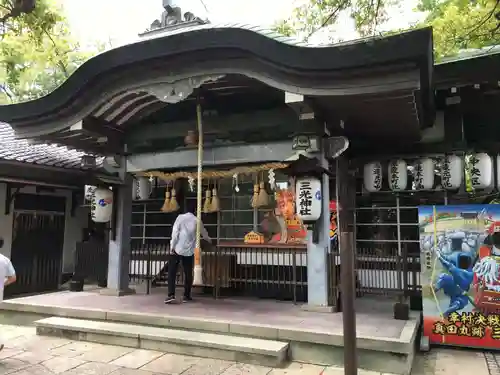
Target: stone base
117, 292
317, 308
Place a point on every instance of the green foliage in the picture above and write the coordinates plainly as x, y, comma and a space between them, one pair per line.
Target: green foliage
37, 53
457, 24
461, 24
317, 14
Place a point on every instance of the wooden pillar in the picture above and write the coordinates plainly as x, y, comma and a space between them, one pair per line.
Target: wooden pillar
346, 198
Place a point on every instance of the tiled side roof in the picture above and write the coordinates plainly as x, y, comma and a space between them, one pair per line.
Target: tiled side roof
471, 53
41, 154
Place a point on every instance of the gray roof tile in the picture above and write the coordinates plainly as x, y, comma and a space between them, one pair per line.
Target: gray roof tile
21, 150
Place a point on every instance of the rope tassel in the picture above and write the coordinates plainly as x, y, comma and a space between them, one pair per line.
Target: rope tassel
215, 201
255, 198
174, 205
207, 206
263, 198
166, 203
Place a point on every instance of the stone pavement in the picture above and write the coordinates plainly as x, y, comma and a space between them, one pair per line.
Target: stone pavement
28, 354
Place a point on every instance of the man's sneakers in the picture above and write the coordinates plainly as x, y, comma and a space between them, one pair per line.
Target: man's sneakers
169, 300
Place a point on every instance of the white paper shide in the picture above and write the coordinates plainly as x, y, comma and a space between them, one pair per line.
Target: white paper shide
308, 198
397, 175
452, 171
372, 176
102, 205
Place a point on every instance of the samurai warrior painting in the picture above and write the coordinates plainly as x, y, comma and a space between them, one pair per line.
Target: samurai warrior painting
456, 283
486, 272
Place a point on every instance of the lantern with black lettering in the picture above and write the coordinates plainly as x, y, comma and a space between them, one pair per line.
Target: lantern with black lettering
372, 176
308, 174
397, 175
308, 198
480, 170
102, 205
452, 172
424, 174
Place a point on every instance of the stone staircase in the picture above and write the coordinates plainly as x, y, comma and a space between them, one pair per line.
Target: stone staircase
269, 353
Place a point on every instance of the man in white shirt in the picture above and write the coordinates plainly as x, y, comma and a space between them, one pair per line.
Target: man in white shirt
7, 276
182, 247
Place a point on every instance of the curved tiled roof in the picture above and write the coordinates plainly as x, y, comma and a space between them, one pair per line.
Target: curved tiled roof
21, 150
169, 55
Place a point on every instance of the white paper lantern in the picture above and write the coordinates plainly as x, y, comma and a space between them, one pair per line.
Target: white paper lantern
308, 198
102, 205
452, 171
424, 174
480, 170
89, 193
397, 175
372, 176
498, 171
144, 188
135, 189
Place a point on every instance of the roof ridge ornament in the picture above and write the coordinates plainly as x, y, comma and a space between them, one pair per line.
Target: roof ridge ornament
173, 18
174, 92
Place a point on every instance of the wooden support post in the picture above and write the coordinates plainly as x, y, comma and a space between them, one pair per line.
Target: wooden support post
345, 205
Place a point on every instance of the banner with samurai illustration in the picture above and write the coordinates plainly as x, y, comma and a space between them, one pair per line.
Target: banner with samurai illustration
460, 257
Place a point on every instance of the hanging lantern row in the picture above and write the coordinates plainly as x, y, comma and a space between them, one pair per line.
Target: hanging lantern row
478, 168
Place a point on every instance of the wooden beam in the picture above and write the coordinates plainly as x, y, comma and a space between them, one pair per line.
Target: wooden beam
300, 106
89, 145
99, 128
214, 124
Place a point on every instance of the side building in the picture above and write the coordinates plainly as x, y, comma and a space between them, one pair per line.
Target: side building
41, 213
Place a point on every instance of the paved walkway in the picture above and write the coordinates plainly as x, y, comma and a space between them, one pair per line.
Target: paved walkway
28, 354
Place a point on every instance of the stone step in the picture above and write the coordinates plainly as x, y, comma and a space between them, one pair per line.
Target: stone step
200, 344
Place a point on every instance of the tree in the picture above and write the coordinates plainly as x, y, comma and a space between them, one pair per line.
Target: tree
462, 24
318, 14
457, 24
16, 8
37, 53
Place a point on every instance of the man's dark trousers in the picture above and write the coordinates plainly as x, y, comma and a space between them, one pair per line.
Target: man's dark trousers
187, 266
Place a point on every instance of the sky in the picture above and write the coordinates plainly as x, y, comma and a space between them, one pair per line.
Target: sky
119, 21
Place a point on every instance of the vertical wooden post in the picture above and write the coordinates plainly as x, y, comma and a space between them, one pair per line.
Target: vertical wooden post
346, 197
198, 270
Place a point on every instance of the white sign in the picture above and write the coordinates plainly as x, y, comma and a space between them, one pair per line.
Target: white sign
102, 206
397, 175
372, 176
308, 198
89, 193
480, 170
424, 174
452, 171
